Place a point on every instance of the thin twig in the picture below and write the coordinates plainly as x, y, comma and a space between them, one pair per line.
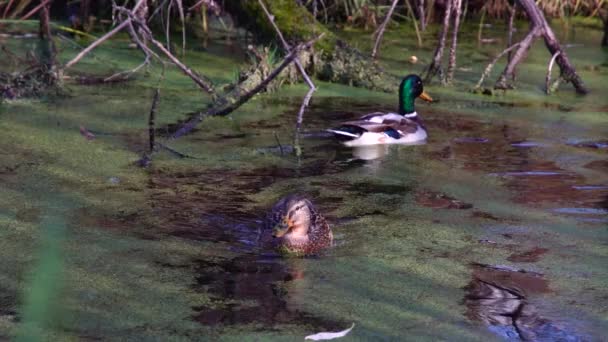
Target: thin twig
152, 119
96, 43
101, 39
305, 102
488, 69
210, 4
204, 84
35, 9
276, 137
549, 68
380, 31
512, 13
413, 16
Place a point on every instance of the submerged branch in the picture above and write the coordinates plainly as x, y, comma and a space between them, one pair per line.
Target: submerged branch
224, 107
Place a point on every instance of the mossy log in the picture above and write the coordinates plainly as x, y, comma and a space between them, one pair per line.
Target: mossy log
333, 60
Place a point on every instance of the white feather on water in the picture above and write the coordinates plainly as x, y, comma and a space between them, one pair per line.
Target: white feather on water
329, 335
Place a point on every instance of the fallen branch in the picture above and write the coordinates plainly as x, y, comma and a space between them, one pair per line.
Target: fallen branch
225, 108
380, 31
488, 69
549, 68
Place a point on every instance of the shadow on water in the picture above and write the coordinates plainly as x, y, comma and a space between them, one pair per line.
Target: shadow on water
499, 297
252, 289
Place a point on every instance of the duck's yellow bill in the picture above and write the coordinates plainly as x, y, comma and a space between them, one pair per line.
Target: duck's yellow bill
426, 97
281, 228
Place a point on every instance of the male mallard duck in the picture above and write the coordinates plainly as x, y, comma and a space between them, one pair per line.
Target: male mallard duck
388, 128
297, 228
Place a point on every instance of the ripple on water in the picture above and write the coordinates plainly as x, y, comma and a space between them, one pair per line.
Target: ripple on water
471, 140
581, 211
590, 187
528, 144
526, 173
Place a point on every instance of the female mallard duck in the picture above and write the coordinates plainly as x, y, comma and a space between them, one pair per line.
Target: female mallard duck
404, 127
297, 228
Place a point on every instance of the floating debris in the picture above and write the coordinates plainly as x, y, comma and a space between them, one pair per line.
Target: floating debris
329, 335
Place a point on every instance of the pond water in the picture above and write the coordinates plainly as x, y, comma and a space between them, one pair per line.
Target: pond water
494, 229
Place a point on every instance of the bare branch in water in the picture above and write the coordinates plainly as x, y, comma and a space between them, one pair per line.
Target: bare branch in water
488, 69
549, 68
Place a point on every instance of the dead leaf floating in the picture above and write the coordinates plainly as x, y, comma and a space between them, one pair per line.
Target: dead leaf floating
329, 335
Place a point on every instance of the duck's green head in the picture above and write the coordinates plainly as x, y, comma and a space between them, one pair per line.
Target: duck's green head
409, 89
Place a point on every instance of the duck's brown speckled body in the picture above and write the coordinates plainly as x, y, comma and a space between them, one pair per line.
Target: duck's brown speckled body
297, 228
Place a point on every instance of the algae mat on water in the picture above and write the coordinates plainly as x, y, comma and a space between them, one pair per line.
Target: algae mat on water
94, 247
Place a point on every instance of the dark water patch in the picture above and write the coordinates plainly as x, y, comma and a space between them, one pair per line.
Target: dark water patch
471, 140
499, 297
598, 165
129, 223
437, 200
30, 215
372, 187
213, 204
518, 104
484, 215
532, 255
543, 181
249, 289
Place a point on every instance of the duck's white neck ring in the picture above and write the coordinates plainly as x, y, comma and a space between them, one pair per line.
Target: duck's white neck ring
410, 115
